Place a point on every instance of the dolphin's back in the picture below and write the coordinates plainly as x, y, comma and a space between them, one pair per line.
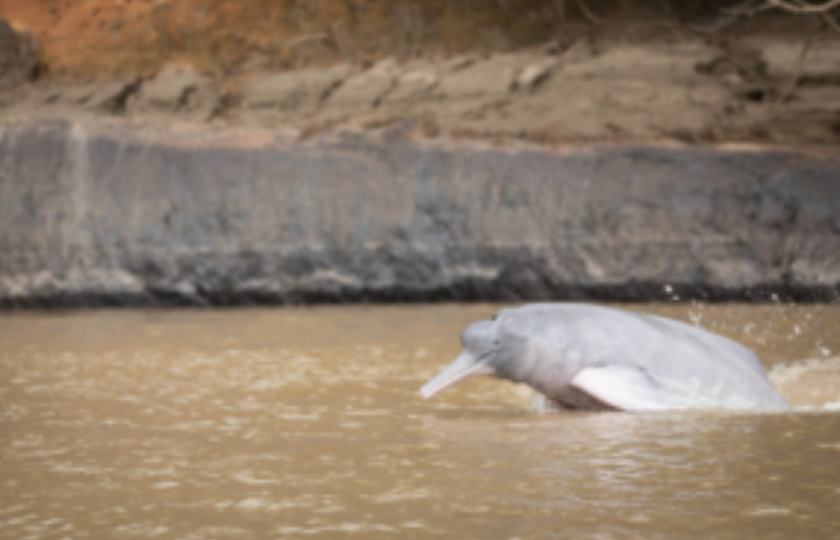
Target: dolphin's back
692, 367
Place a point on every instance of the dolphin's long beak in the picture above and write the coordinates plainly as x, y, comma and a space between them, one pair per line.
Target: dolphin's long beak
464, 367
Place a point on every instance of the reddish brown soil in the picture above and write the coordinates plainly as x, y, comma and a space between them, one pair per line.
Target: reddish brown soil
108, 37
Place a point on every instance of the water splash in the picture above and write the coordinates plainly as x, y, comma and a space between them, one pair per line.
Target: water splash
809, 384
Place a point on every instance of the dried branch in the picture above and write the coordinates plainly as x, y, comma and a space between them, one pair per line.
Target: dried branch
588, 13
804, 7
829, 20
752, 7
799, 7
796, 72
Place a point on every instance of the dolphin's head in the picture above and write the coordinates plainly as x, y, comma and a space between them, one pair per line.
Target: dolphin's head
485, 353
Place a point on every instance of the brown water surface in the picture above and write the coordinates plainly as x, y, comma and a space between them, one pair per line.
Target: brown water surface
306, 423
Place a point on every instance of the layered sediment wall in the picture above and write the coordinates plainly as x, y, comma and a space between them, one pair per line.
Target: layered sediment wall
114, 213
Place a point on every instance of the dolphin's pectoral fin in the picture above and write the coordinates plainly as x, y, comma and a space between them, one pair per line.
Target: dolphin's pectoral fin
625, 388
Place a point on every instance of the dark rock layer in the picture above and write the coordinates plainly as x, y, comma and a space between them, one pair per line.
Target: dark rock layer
116, 214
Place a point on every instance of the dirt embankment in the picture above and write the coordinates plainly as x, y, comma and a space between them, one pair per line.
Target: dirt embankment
328, 162
636, 76
95, 213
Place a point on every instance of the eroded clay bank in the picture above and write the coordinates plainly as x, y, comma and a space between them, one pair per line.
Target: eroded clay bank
115, 213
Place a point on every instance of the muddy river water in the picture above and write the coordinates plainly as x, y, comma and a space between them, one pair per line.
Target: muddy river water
306, 423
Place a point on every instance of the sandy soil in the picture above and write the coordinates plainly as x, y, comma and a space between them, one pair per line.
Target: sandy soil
627, 79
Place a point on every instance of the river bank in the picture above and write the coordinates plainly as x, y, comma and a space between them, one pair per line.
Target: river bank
117, 213
641, 158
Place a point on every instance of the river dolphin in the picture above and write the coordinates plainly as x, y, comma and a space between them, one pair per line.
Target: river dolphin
597, 358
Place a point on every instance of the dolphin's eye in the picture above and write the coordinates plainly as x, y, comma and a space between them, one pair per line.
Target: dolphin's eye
494, 317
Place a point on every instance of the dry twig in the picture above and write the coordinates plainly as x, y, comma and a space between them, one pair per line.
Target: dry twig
587, 13
796, 73
794, 6
797, 6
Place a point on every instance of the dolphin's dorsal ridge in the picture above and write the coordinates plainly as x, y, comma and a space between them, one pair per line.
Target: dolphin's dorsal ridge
625, 388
